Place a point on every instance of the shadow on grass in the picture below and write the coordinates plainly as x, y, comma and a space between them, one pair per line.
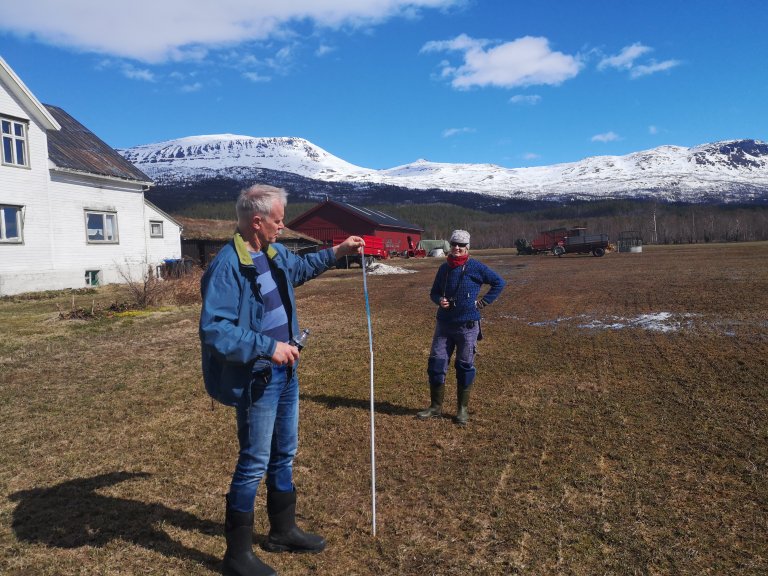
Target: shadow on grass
344, 402
73, 514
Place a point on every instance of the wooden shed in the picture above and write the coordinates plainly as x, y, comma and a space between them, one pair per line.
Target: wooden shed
201, 239
332, 218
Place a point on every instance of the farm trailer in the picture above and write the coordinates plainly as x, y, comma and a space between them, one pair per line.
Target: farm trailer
374, 250
560, 241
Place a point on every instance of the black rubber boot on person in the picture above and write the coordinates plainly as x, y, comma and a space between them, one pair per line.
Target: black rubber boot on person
462, 401
239, 559
284, 535
436, 393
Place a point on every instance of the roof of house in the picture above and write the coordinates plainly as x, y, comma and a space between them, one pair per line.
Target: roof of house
373, 216
25, 96
206, 229
77, 149
163, 213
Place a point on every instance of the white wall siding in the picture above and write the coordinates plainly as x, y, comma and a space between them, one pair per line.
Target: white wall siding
169, 246
24, 266
74, 196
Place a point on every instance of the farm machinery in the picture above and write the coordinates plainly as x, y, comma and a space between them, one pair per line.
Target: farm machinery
374, 250
377, 249
413, 251
560, 241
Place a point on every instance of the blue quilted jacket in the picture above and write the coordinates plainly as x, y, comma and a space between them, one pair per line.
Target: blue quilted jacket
230, 319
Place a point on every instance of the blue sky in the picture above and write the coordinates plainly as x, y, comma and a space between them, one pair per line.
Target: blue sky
381, 83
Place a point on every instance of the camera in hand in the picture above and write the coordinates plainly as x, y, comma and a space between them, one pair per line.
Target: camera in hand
451, 302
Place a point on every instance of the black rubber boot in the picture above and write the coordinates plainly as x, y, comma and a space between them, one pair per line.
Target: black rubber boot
462, 400
239, 559
284, 535
436, 393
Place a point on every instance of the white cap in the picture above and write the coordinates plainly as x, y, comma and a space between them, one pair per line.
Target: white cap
460, 237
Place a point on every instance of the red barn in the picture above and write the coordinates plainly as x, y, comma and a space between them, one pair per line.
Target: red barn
331, 218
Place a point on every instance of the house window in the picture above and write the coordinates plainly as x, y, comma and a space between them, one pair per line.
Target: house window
92, 277
14, 142
156, 228
10, 223
101, 227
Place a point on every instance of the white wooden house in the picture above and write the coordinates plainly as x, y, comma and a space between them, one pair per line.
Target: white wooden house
72, 210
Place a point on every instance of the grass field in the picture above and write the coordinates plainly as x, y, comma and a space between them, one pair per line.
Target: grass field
618, 425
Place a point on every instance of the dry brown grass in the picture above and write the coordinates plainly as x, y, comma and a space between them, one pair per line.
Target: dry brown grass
589, 451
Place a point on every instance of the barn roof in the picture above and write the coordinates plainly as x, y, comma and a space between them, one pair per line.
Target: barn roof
375, 217
77, 149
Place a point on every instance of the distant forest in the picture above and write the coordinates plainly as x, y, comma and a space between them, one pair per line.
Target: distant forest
654, 222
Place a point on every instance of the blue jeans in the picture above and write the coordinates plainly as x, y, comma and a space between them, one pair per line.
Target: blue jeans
461, 338
267, 429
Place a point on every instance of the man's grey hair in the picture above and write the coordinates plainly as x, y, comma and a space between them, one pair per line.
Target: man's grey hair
258, 199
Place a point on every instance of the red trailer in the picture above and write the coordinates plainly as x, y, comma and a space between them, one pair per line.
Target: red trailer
374, 250
561, 241
546, 241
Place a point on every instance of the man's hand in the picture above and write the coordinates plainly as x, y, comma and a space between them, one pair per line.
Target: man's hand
285, 354
352, 245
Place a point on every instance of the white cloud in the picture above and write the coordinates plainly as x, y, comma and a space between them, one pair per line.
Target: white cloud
448, 132
526, 61
196, 87
627, 60
138, 74
605, 137
653, 130
531, 156
652, 68
323, 49
531, 99
256, 77
173, 30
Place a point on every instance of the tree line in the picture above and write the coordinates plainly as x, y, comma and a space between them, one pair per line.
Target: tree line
653, 222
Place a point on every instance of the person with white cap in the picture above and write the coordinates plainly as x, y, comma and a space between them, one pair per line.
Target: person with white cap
456, 291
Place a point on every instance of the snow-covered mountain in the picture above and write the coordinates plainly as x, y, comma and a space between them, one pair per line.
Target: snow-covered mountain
735, 170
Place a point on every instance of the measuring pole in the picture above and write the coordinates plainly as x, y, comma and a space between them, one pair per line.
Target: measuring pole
373, 427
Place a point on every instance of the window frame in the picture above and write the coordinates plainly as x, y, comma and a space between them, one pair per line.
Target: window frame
105, 214
19, 239
18, 142
153, 223
93, 278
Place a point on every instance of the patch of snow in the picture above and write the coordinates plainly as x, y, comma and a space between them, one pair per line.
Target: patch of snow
378, 269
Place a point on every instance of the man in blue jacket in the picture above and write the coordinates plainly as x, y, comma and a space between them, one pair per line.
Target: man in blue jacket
247, 323
456, 291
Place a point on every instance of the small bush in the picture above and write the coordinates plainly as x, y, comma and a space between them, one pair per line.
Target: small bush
148, 291
185, 289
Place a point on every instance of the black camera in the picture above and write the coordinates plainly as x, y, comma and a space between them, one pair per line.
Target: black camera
451, 302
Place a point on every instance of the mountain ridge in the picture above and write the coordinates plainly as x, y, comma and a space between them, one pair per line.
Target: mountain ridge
729, 171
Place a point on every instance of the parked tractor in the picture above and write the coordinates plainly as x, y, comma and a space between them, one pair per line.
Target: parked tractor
560, 241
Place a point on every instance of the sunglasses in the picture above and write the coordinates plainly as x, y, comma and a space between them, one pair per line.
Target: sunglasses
459, 244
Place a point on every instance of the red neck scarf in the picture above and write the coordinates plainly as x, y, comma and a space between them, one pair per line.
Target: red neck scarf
456, 261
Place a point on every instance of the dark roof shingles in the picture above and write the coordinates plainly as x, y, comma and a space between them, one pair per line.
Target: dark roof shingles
74, 147
377, 217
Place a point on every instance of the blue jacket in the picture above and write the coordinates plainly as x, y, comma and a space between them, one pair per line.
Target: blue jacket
464, 283
230, 319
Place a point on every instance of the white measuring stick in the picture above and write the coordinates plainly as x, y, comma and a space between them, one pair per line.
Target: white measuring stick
373, 427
